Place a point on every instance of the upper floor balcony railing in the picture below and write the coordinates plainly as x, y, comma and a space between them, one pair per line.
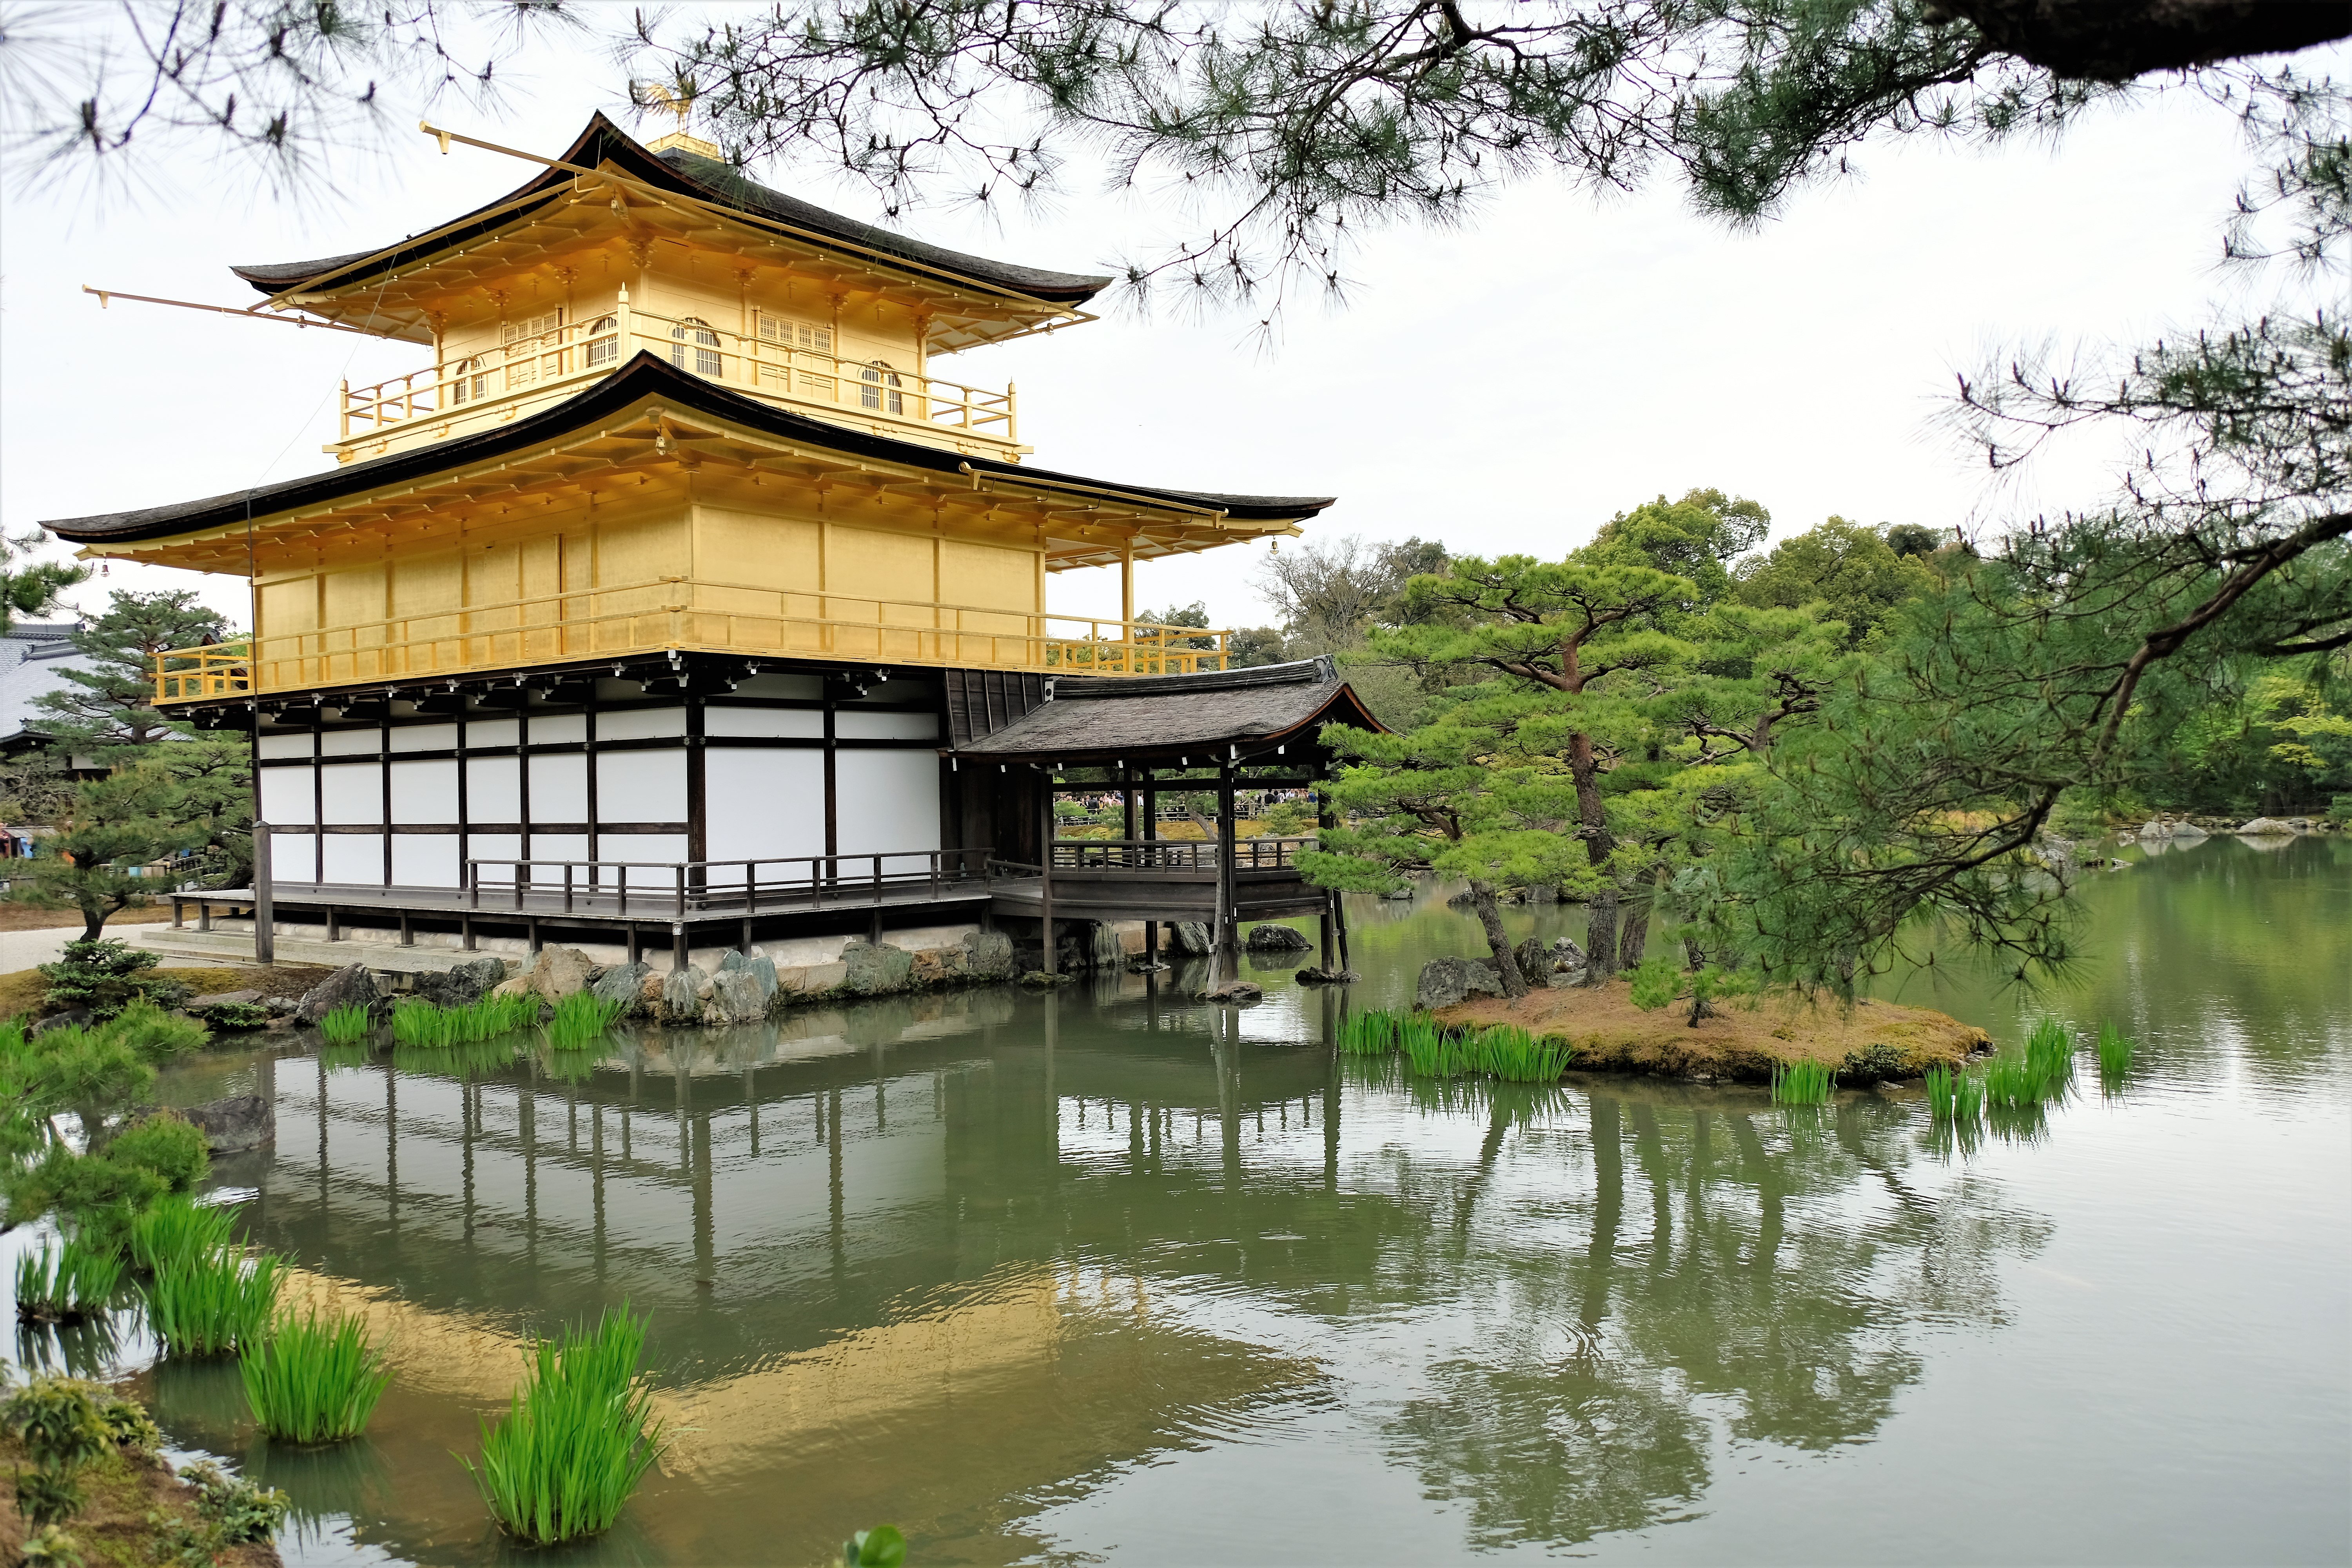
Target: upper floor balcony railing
772, 365
665, 613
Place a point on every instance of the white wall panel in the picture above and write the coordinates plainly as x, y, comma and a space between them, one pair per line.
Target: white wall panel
641, 786
850, 725
640, 724
293, 858
886, 800
425, 738
558, 729
490, 732
655, 848
284, 746
559, 788
353, 857
493, 790
350, 742
285, 794
559, 847
763, 804
352, 792
424, 860
766, 721
493, 847
424, 792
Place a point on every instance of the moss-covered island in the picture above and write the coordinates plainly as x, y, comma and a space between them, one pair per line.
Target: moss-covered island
1746, 1039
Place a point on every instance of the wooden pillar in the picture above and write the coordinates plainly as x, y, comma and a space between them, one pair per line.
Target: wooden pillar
1127, 802
1226, 938
384, 766
1045, 865
1127, 600
1332, 933
1340, 919
1151, 807
264, 915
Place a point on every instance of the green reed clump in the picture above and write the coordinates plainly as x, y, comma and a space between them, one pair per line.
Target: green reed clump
176, 1228
313, 1380
580, 1019
67, 1280
2115, 1052
1430, 1048
212, 1303
1954, 1097
1369, 1033
1803, 1083
346, 1024
426, 1023
1512, 1054
578, 1437
2020, 1081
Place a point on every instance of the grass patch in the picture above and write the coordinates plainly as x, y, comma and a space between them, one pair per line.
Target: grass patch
577, 1438
1954, 1097
1514, 1056
2115, 1052
425, 1024
581, 1020
178, 1227
1803, 1083
67, 1280
1432, 1050
2041, 1072
212, 1303
1369, 1033
346, 1024
313, 1380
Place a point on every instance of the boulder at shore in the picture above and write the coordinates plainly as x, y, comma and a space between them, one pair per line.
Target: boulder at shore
1449, 982
2266, 827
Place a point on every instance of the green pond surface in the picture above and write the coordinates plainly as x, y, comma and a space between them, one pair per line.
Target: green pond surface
1116, 1277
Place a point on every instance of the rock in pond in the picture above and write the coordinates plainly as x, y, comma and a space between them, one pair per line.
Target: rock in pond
1232, 991
233, 1125
1276, 939
463, 985
1192, 938
350, 985
625, 983
2265, 827
1447, 981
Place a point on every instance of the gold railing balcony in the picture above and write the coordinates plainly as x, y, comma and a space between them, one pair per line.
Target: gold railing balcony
772, 368
658, 615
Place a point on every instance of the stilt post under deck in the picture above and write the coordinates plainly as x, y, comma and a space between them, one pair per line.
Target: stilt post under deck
1226, 938
1331, 932
1045, 867
265, 911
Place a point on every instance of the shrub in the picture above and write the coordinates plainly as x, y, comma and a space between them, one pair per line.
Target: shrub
314, 1381
346, 1024
69, 1280
48, 1497
578, 1437
50, 1547
104, 976
62, 1431
168, 1144
155, 1036
212, 1303
239, 1016
236, 1509
1874, 1064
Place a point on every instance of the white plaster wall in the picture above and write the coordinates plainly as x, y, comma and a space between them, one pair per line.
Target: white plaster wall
640, 724
291, 856
424, 860
425, 738
641, 786
763, 804
494, 847
352, 792
558, 729
559, 788
284, 746
353, 857
559, 847
424, 792
649, 849
886, 801
493, 792
851, 724
350, 742
490, 732
769, 722
285, 794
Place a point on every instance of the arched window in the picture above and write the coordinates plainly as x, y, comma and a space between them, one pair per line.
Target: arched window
706, 360
603, 342
467, 381
881, 388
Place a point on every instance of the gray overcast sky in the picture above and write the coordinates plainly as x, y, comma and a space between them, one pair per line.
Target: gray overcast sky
1505, 386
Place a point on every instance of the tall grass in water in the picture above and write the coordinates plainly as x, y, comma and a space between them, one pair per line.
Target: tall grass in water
1954, 1097
1803, 1083
212, 1303
1431, 1050
176, 1228
2116, 1051
2023, 1080
581, 1020
1512, 1054
313, 1380
1369, 1033
346, 1024
421, 1023
577, 1438
66, 1280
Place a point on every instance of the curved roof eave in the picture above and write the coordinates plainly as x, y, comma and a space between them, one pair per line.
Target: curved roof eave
689, 175
644, 375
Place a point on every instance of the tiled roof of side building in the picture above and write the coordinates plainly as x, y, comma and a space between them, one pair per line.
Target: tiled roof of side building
644, 375
692, 176
1161, 716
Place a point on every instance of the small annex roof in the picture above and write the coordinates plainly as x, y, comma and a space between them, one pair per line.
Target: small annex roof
1215, 716
685, 173
647, 378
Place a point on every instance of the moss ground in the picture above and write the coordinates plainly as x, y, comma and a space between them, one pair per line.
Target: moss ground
21, 992
1745, 1042
112, 1530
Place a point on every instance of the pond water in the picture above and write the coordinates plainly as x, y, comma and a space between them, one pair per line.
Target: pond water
1115, 1276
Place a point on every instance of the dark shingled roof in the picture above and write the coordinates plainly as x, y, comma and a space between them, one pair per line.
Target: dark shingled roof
644, 375
689, 173
1160, 718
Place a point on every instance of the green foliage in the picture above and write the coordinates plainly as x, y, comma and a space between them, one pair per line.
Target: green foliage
1514, 1056
1659, 981
2115, 1052
1371, 1033
60, 1423
581, 1020
348, 1024
48, 1497
106, 698
66, 1280
52, 1547
178, 1228
1803, 1083
880, 1547
32, 587
1850, 570
212, 1303
1505, 1051
155, 1036
98, 1074
135, 816
2041, 1072
104, 976
1955, 1097
577, 1438
235, 1509
423, 1024
236, 1015
169, 1145
1874, 1063
314, 1381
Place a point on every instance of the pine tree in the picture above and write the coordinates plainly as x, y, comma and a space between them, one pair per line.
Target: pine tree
112, 704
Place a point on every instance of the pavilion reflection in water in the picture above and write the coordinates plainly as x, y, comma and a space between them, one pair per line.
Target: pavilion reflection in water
960, 1258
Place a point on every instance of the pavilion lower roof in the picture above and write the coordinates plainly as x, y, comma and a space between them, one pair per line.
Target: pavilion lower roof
1215, 716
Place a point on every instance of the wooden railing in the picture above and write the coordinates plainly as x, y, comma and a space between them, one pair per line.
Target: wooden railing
680, 887
588, 623
757, 366
1176, 856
